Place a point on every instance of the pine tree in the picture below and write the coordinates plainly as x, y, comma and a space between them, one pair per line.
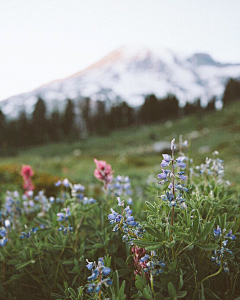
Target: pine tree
68, 119
55, 128
25, 133
2, 129
39, 122
232, 92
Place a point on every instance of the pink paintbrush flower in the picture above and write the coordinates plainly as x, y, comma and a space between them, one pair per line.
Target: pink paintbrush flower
103, 172
27, 172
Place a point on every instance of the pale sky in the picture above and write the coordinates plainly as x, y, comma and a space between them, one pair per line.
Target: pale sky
44, 40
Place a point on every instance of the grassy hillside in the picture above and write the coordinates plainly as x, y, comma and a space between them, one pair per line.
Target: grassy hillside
130, 151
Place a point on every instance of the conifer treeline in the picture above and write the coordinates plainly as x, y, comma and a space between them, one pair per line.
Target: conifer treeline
87, 117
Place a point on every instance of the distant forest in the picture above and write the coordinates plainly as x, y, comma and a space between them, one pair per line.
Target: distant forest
94, 117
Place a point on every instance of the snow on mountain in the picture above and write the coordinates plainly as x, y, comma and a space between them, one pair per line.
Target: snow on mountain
130, 73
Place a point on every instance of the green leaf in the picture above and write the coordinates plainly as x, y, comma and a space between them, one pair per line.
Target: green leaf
208, 228
206, 246
171, 244
181, 294
195, 224
20, 266
158, 296
72, 292
148, 244
180, 283
139, 285
151, 207
172, 291
147, 294
116, 282
211, 294
153, 232
98, 245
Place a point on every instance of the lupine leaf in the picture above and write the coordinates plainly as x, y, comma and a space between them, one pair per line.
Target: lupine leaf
172, 291
206, 246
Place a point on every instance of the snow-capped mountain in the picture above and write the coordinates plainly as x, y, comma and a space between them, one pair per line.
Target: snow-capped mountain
129, 74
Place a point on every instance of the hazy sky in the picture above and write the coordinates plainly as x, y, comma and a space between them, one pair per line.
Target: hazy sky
43, 40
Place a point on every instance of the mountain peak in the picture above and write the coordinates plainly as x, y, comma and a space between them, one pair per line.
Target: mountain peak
130, 73
201, 59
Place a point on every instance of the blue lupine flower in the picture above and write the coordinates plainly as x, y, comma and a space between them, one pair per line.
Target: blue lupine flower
217, 231
180, 162
87, 200
225, 243
51, 200
129, 201
144, 258
90, 265
167, 157
183, 177
91, 287
162, 175
60, 217
120, 203
106, 271
99, 271
3, 241
58, 183
128, 210
98, 288
7, 223
108, 282
94, 275
66, 182
3, 231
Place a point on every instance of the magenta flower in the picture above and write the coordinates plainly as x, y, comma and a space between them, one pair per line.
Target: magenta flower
103, 172
27, 172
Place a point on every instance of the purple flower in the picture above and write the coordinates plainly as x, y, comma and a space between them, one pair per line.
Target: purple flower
183, 177
167, 157
217, 231
162, 175
144, 258
180, 162
60, 217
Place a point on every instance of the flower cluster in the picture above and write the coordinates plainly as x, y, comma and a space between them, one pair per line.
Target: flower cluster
4, 233
103, 172
64, 216
152, 265
27, 172
213, 167
77, 192
219, 256
126, 223
138, 253
43, 203
98, 277
175, 194
65, 182
28, 233
121, 186
12, 206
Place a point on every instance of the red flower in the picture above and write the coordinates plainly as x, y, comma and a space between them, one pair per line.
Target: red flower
103, 171
138, 266
27, 172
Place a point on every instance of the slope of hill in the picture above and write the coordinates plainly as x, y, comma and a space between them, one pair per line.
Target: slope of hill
131, 73
131, 151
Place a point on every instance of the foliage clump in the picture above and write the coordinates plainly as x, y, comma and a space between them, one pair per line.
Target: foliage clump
187, 246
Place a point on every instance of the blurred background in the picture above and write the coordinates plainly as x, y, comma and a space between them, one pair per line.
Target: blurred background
116, 80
